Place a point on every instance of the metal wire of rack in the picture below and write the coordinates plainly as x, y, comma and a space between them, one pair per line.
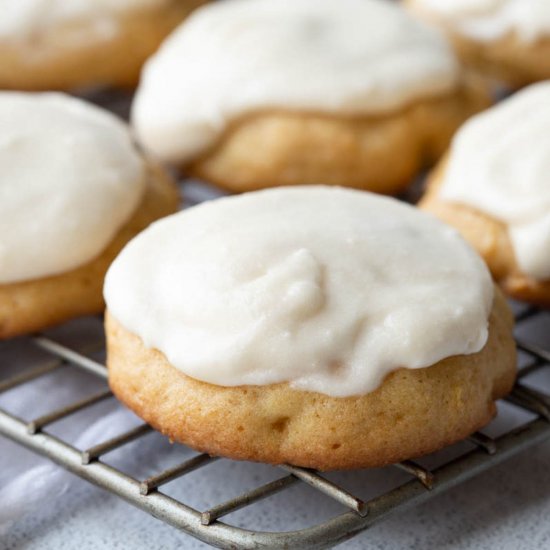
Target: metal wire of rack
206, 525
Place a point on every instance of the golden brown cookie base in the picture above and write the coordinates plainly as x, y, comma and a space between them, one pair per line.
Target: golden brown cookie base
509, 59
34, 305
490, 238
74, 56
380, 154
412, 413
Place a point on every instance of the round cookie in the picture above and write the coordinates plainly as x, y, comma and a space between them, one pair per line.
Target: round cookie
508, 40
61, 230
57, 44
354, 93
278, 424
494, 188
300, 336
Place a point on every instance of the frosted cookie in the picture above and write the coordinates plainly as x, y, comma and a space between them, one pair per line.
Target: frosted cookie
329, 328
65, 44
73, 190
495, 188
259, 93
505, 39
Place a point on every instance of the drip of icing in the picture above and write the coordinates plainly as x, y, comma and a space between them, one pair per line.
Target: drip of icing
238, 56
70, 177
500, 164
326, 288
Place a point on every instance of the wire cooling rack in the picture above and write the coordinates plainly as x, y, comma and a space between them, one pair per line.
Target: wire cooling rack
207, 524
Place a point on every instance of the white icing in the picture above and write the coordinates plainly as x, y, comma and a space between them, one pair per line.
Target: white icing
500, 164
23, 18
327, 288
237, 56
70, 177
489, 20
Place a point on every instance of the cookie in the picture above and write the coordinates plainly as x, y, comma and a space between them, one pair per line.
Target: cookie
329, 329
67, 45
354, 93
494, 187
507, 40
74, 189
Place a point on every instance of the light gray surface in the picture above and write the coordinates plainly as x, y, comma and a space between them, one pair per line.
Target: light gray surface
507, 508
